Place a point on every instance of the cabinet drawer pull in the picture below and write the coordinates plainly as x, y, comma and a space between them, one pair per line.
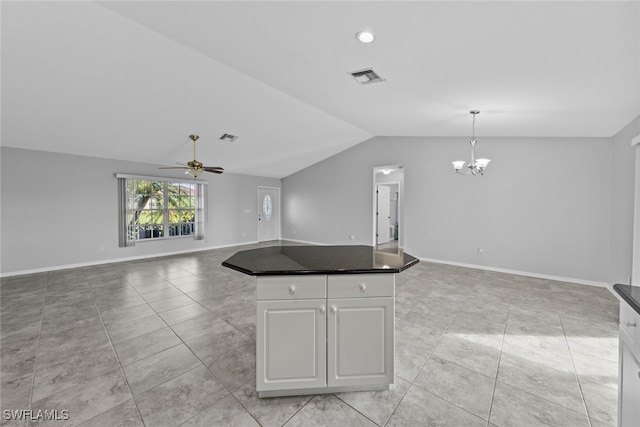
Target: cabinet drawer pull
363, 287
322, 309
630, 325
292, 289
333, 309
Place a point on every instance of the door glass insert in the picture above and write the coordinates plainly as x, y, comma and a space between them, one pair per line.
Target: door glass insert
267, 208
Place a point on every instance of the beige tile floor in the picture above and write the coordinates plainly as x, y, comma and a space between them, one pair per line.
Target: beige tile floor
171, 341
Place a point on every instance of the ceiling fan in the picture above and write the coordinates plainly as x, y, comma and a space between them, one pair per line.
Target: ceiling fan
194, 167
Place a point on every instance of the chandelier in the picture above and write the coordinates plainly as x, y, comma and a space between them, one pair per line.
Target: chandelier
475, 166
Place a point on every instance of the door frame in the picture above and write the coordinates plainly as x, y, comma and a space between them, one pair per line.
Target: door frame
259, 212
388, 184
635, 263
400, 218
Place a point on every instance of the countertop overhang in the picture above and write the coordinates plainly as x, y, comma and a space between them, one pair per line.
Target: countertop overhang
301, 260
631, 294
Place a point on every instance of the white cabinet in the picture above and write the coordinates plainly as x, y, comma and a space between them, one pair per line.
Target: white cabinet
629, 380
629, 415
360, 342
322, 333
290, 340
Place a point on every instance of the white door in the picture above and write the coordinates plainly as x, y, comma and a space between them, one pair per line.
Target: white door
268, 214
383, 214
291, 344
360, 341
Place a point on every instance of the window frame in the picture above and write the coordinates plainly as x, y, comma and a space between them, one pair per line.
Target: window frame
128, 237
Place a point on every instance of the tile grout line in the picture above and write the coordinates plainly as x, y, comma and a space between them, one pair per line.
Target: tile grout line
35, 360
420, 370
104, 326
575, 373
495, 382
215, 376
193, 353
544, 398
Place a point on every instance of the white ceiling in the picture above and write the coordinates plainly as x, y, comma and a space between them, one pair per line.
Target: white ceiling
131, 80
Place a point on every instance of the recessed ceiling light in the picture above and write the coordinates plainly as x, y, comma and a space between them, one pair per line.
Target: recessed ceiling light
365, 36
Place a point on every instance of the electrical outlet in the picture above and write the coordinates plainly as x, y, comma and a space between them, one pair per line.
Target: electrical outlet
101, 248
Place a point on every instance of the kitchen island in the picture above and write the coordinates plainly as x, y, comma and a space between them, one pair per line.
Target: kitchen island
325, 317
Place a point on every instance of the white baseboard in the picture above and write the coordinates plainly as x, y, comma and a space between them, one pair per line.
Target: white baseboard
306, 242
519, 273
496, 269
115, 260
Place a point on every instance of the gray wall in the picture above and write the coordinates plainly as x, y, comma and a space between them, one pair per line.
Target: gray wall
57, 210
622, 195
544, 206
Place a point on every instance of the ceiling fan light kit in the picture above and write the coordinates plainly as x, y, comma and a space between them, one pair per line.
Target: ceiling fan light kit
475, 166
194, 167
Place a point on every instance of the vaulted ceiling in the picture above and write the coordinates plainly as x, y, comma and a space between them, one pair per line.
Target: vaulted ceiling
131, 80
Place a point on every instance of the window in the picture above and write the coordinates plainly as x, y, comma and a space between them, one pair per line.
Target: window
160, 208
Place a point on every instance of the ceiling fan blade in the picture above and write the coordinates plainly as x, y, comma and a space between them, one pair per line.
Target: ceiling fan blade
213, 169
174, 167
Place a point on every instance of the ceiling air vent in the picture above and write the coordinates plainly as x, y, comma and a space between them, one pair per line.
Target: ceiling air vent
367, 76
227, 137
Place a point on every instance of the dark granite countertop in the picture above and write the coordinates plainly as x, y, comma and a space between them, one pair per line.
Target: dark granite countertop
631, 294
291, 260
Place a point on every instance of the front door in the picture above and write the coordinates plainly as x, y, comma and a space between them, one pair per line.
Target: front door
268, 214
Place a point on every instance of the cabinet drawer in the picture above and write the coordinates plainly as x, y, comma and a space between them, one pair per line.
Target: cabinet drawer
361, 285
630, 321
291, 287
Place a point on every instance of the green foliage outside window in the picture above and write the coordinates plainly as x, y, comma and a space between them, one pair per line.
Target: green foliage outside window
158, 209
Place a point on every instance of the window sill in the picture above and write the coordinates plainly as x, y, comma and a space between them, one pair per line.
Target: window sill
157, 239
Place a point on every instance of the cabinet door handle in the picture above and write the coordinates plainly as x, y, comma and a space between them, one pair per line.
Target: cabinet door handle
292, 289
363, 287
630, 325
333, 309
322, 309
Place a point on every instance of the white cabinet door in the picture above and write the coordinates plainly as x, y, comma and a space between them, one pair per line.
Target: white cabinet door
291, 344
629, 392
360, 341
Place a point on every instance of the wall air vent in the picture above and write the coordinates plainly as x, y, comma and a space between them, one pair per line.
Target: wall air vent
227, 137
366, 76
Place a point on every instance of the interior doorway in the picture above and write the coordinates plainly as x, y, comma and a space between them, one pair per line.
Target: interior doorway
388, 188
268, 214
